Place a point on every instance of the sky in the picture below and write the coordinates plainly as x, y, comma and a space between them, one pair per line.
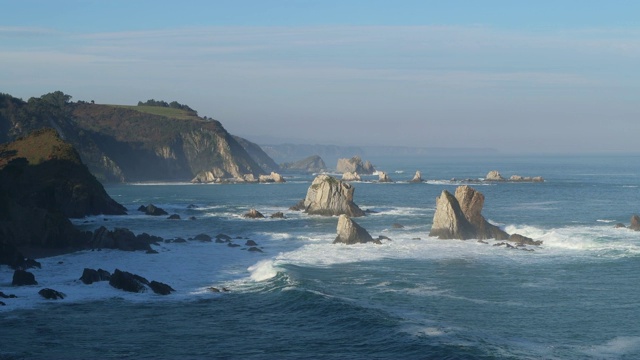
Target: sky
517, 76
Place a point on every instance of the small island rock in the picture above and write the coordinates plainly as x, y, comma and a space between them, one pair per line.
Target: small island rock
349, 232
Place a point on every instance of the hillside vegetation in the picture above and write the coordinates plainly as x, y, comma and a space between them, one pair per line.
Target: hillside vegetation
133, 143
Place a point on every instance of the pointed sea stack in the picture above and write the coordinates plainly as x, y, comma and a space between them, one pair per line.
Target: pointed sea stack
349, 232
459, 217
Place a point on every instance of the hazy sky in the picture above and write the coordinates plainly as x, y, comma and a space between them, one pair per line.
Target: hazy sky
519, 76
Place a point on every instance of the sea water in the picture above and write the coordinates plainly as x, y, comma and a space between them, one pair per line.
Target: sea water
413, 297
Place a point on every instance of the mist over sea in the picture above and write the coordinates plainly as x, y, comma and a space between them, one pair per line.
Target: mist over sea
414, 297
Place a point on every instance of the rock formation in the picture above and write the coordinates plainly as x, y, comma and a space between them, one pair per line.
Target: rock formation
459, 217
273, 177
311, 164
329, 196
354, 164
351, 176
43, 183
417, 178
122, 239
51, 294
349, 232
635, 223
494, 175
254, 214
383, 177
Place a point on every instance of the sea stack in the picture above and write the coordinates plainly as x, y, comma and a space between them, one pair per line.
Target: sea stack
329, 196
459, 217
349, 232
417, 178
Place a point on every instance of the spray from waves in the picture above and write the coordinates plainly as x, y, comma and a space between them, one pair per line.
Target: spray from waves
600, 240
262, 270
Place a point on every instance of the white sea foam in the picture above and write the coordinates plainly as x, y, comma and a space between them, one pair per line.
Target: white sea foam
262, 270
614, 348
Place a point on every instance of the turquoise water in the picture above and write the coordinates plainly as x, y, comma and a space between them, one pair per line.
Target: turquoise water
414, 297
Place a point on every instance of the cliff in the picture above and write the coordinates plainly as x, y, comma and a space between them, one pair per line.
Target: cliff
133, 143
43, 182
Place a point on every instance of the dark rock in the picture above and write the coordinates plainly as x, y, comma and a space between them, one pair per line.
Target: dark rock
51, 294
416, 238
523, 240
127, 281
152, 251
220, 241
30, 263
2, 303
369, 211
250, 243
5, 296
635, 223
213, 289
349, 232
192, 218
89, 276
160, 288
155, 211
311, 164
179, 240
202, 237
298, 207
619, 225
223, 237
142, 208
174, 217
233, 245
22, 278
254, 214
122, 239
397, 226
277, 215
192, 206
254, 249
382, 237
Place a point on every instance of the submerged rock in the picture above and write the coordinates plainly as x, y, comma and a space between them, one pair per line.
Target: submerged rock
254, 214
523, 240
160, 288
51, 294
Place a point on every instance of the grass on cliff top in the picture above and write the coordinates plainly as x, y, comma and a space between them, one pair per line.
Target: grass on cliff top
162, 111
40, 146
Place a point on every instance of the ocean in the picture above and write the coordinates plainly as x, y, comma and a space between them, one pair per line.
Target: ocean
412, 297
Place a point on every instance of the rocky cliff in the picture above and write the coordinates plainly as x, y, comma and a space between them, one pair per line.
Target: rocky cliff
258, 155
43, 183
350, 232
125, 143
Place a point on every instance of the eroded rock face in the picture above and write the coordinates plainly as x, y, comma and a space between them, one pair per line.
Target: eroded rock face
351, 176
349, 232
354, 164
254, 214
383, 177
460, 217
417, 178
494, 175
273, 177
329, 196
635, 223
